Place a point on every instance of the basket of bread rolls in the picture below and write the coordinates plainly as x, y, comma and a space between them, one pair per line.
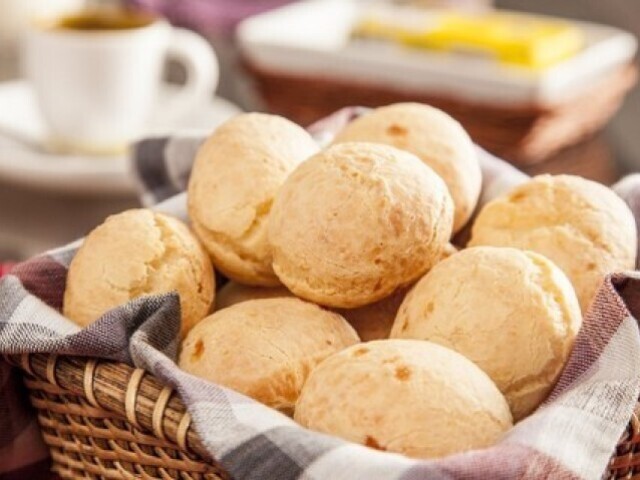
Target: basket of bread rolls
356, 295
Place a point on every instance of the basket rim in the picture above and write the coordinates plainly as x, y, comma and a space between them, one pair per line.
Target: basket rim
143, 401
146, 403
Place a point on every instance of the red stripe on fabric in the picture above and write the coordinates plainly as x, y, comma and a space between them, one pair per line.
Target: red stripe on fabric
503, 462
5, 268
43, 277
602, 321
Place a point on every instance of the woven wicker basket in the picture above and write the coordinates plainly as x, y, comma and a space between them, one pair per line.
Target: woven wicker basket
108, 420
523, 134
103, 419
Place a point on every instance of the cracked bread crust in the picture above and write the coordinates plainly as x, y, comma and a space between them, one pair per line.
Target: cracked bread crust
356, 222
435, 138
512, 312
265, 348
136, 253
236, 174
404, 396
580, 225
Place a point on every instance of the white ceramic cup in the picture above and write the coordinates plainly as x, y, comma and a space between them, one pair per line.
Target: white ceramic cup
97, 88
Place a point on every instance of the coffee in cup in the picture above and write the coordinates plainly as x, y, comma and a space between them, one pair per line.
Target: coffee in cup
97, 73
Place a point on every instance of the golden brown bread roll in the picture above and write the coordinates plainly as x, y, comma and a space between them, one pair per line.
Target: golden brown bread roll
265, 348
235, 177
136, 253
405, 396
580, 225
434, 137
512, 312
357, 221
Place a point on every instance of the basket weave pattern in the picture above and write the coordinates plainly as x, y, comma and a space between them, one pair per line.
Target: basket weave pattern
625, 461
524, 134
108, 420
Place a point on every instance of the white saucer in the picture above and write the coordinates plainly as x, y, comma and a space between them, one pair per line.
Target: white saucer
23, 159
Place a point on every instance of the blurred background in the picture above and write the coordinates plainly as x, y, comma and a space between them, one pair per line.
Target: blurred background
554, 96
624, 14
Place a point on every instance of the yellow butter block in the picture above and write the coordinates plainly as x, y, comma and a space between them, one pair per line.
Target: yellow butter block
513, 38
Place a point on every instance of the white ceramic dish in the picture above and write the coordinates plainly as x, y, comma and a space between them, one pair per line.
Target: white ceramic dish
24, 159
311, 38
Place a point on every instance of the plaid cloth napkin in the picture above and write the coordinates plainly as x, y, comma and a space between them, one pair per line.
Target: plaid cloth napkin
572, 435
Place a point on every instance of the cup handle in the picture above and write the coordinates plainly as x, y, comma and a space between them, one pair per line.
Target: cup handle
199, 60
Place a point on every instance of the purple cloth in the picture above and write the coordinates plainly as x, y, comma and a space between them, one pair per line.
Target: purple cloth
208, 16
